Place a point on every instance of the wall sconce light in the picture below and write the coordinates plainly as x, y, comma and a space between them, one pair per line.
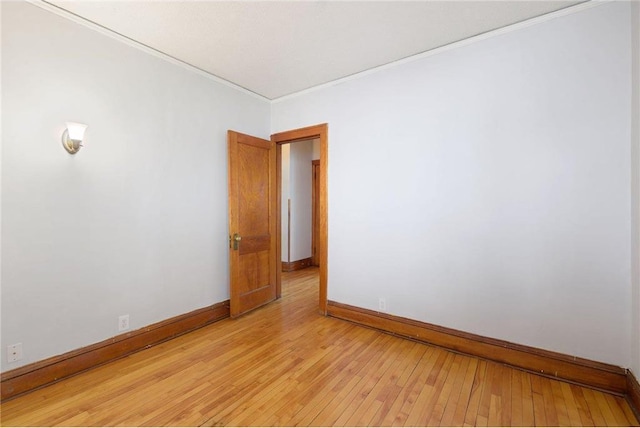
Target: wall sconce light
72, 137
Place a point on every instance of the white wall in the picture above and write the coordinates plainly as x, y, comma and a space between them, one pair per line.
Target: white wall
1, 98
296, 185
136, 222
635, 191
284, 200
487, 188
300, 185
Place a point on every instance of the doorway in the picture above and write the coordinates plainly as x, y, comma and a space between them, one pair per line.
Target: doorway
319, 132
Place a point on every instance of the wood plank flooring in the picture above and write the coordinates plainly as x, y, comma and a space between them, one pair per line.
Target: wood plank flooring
284, 364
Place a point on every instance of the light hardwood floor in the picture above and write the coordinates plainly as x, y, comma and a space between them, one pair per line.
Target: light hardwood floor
284, 364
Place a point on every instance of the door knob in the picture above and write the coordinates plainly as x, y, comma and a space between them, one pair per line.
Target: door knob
236, 239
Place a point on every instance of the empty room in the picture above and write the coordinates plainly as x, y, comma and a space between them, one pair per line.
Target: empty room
320, 213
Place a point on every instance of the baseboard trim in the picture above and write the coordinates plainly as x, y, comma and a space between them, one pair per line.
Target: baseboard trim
41, 373
594, 374
297, 265
633, 393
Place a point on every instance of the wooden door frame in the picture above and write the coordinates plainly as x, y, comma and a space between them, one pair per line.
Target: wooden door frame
311, 132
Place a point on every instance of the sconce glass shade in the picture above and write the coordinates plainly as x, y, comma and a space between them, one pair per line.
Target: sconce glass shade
72, 136
76, 130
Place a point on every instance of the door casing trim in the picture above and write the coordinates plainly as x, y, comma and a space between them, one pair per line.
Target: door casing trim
311, 132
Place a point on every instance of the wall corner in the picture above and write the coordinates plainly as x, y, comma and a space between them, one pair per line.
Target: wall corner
635, 185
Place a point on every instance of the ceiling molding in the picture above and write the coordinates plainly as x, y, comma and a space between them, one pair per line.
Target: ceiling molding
464, 42
133, 43
451, 46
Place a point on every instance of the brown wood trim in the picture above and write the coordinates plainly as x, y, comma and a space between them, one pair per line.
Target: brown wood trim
551, 364
633, 393
234, 209
307, 133
297, 265
323, 242
311, 132
278, 221
41, 373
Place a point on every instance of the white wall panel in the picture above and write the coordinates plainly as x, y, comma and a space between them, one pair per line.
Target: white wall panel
136, 222
487, 188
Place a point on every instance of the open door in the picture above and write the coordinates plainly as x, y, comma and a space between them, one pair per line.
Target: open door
252, 222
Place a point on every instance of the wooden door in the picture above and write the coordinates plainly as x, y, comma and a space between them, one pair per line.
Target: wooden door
252, 222
315, 212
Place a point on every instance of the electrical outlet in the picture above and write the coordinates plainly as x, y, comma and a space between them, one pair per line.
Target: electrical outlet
123, 322
14, 352
382, 304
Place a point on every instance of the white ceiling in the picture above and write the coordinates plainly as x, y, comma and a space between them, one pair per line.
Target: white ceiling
275, 48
